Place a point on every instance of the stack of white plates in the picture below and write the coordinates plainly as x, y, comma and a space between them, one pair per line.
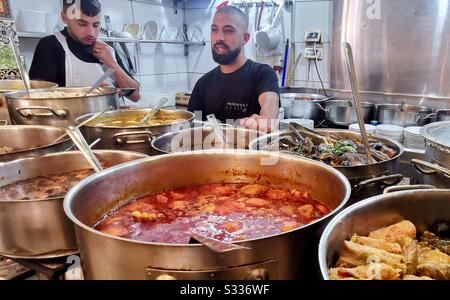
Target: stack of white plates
284, 124
414, 138
370, 129
392, 132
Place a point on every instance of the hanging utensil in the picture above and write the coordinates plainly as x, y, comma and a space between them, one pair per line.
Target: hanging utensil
217, 129
351, 71
84, 148
20, 61
215, 245
154, 110
107, 74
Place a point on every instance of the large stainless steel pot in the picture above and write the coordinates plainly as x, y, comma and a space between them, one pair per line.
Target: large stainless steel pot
39, 229
32, 141
404, 114
202, 138
343, 112
7, 86
133, 138
304, 106
366, 180
284, 256
421, 207
59, 112
437, 137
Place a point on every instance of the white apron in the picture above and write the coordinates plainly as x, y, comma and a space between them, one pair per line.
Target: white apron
78, 72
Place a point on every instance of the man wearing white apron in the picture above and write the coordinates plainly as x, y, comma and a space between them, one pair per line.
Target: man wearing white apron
75, 57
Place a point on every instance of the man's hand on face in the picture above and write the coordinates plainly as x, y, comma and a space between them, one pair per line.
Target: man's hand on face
102, 52
255, 122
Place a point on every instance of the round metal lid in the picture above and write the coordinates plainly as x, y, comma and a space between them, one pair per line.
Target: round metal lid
438, 132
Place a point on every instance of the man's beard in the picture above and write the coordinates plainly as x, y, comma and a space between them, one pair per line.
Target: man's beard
225, 59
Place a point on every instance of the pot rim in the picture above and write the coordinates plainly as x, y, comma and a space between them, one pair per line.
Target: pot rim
346, 103
322, 250
405, 108
433, 140
71, 194
50, 84
378, 137
39, 127
58, 154
19, 95
193, 129
79, 119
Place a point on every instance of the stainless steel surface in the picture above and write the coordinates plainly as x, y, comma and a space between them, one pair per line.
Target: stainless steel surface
96, 84
351, 72
357, 174
7, 86
217, 245
310, 108
39, 228
107, 257
202, 138
402, 46
343, 112
154, 110
437, 137
84, 148
57, 112
31, 141
136, 138
421, 207
404, 115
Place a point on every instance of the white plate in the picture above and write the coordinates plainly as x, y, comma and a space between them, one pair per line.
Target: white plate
151, 31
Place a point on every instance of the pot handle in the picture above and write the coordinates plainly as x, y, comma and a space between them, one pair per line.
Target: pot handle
26, 112
122, 138
426, 168
388, 180
429, 116
398, 188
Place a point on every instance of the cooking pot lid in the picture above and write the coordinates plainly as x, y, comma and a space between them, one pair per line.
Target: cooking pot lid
438, 132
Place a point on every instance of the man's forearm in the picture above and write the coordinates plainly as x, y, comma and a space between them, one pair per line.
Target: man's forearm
270, 108
125, 81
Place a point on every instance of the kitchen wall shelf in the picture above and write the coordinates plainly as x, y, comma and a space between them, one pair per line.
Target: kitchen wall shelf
37, 35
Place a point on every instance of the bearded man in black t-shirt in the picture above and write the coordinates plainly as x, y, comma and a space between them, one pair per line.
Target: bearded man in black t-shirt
238, 89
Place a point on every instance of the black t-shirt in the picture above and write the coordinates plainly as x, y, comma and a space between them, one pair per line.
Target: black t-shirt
49, 58
235, 95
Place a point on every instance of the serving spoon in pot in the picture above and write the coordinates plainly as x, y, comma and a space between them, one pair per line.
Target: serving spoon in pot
84, 148
215, 245
154, 110
217, 129
107, 74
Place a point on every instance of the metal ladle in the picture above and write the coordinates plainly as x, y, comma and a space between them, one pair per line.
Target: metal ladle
217, 129
154, 110
351, 71
84, 148
20, 61
107, 74
215, 245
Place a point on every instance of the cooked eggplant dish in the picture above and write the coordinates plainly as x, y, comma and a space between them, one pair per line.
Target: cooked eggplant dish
43, 187
343, 153
394, 253
226, 212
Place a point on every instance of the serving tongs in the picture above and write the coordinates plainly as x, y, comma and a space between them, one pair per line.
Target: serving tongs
154, 110
84, 148
351, 71
20, 61
215, 245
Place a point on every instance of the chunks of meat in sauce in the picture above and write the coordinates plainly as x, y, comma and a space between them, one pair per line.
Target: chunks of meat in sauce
229, 212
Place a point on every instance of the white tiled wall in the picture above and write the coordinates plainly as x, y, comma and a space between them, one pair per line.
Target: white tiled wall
308, 15
162, 68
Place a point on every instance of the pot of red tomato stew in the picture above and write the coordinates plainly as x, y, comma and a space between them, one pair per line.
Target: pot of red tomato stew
137, 220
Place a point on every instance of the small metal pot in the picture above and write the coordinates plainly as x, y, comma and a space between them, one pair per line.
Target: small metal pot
304, 106
32, 141
58, 112
202, 139
7, 86
343, 112
37, 229
404, 115
133, 138
283, 256
421, 207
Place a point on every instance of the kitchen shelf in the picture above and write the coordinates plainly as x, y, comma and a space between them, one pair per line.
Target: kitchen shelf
38, 35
